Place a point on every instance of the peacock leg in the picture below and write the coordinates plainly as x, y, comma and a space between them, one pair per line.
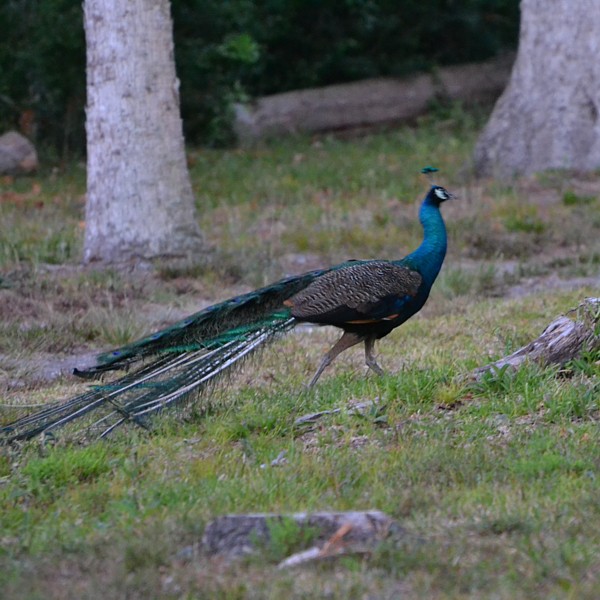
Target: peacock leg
346, 341
370, 357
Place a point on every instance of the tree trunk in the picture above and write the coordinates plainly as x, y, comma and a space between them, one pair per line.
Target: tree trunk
548, 115
140, 202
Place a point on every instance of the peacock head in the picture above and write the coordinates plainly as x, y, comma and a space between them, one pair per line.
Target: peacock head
438, 194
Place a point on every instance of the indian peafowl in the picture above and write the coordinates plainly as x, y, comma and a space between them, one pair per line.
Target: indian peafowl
364, 298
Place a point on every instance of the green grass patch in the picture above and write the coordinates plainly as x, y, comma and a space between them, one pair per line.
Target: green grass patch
570, 198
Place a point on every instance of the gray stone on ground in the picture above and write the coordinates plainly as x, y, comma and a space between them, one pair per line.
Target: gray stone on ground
17, 154
331, 534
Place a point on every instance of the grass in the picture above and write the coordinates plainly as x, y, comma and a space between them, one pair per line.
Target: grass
496, 481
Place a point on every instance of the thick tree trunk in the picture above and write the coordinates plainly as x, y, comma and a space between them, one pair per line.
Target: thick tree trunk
548, 115
140, 202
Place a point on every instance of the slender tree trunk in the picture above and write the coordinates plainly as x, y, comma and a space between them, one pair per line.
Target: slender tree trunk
140, 202
548, 115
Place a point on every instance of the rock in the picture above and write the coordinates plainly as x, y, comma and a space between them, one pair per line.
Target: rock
352, 531
17, 154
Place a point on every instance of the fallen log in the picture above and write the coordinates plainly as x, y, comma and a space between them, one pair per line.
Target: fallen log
369, 104
562, 341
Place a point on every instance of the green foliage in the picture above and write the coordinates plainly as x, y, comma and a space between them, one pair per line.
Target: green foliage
62, 467
588, 362
231, 51
570, 198
285, 537
524, 218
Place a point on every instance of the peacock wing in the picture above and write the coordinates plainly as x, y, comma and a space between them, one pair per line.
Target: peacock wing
206, 327
369, 291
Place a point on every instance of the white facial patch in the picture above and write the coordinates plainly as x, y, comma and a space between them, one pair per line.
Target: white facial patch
441, 194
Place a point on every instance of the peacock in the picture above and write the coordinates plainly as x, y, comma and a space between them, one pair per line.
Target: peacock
366, 299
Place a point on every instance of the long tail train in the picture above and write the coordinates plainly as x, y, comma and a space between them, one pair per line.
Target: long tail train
171, 364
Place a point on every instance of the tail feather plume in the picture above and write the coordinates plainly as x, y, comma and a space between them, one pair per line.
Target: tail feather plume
209, 324
164, 382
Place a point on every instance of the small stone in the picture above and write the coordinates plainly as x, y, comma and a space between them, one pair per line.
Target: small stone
18, 155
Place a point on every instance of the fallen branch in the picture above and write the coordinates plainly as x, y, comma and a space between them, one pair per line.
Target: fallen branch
337, 544
562, 341
359, 408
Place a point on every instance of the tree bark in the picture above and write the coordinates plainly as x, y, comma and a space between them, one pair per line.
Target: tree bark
548, 115
140, 202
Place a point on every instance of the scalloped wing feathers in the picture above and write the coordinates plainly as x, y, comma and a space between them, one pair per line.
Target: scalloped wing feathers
372, 291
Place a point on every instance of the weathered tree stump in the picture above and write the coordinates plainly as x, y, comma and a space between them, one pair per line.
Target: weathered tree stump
563, 340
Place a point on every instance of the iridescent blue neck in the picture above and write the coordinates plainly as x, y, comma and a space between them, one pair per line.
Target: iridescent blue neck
429, 256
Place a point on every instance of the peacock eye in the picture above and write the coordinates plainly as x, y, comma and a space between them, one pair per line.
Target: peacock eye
441, 193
